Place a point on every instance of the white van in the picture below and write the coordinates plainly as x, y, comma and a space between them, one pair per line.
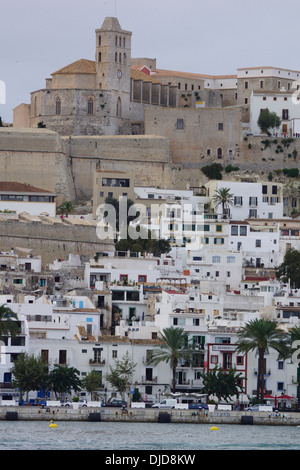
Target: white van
167, 403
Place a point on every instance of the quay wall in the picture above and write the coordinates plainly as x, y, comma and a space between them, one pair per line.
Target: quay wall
148, 415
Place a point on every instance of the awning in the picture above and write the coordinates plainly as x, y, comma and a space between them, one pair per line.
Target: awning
285, 397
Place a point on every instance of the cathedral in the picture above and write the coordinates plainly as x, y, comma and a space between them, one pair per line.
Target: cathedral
102, 97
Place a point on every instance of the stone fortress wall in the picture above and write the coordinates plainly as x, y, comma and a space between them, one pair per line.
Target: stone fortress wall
51, 238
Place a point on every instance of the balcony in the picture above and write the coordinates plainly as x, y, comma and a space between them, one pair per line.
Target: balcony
97, 362
6, 386
149, 380
266, 372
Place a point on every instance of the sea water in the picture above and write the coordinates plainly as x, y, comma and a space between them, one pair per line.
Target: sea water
107, 436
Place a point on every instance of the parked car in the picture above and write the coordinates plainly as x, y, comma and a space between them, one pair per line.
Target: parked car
168, 403
198, 406
260, 408
116, 403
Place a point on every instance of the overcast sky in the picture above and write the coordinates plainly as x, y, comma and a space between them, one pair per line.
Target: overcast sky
202, 36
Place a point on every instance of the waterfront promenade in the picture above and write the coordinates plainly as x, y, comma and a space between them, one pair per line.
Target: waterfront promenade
35, 413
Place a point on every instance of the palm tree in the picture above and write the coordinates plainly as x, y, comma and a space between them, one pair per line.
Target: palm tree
9, 325
224, 198
65, 208
173, 348
261, 334
294, 343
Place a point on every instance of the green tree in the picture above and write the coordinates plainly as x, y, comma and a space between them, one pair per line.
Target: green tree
224, 198
261, 335
144, 244
173, 348
222, 384
294, 348
65, 208
63, 379
29, 373
268, 120
9, 325
289, 270
121, 207
213, 171
92, 382
121, 376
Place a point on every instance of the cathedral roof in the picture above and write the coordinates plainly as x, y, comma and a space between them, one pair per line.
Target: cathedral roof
80, 66
85, 66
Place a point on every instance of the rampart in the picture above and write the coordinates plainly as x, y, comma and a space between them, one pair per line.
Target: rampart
51, 238
65, 165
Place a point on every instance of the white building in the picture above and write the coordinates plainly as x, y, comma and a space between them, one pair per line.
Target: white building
124, 268
284, 103
257, 241
18, 197
259, 200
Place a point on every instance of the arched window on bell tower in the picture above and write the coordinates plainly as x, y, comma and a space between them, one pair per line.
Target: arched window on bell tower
57, 105
99, 57
90, 108
119, 110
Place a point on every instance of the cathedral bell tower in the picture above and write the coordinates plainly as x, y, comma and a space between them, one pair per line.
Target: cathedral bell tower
113, 64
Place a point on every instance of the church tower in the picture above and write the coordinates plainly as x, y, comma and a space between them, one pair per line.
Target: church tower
113, 65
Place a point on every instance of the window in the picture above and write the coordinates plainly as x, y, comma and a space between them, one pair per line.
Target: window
216, 259
114, 354
220, 126
246, 85
261, 84
285, 114
230, 259
62, 359
264, 189
142, 278
252, 201
90, 106
253, 213
243, 230
58, 106
234, 230
219, 228
219, 241
258, 243
238, 200
123, 277
179, 124
274, 189
203, 228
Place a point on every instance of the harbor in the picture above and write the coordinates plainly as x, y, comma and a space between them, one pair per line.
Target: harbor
24, 413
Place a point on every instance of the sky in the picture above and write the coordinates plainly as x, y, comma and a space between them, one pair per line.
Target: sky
213, 37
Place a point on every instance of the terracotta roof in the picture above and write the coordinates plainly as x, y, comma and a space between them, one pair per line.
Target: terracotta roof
80, 66
140, 75
14, 187
162, 72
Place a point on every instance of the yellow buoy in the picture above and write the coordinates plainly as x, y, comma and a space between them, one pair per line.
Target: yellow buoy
52, 425
214, 428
